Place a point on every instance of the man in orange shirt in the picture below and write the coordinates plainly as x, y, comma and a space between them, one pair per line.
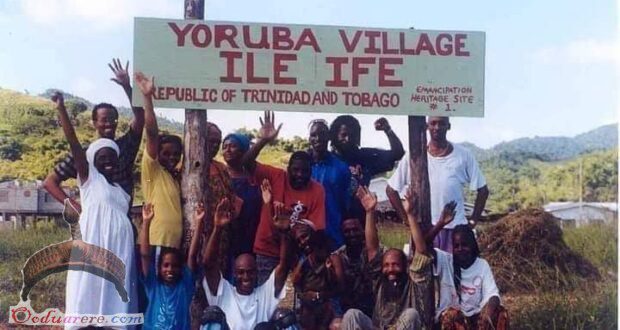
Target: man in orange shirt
301, 199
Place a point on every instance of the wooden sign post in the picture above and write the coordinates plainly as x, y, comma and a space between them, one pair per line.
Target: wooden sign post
195, 160
421, 188
297, 68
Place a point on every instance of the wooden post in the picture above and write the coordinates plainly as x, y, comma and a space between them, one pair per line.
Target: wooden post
421, 188
419, 168
195, 160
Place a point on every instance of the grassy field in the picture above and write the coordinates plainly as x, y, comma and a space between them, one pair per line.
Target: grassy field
594, 306
591, 307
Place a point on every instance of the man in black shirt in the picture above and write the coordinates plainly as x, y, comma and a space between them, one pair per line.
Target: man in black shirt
364, 163
105, 120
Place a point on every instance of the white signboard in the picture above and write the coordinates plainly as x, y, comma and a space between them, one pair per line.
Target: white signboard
284, 67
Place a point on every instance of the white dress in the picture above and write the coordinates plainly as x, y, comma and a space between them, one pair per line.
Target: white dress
104, 223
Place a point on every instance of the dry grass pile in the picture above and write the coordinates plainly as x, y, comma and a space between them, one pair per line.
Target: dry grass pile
527, 254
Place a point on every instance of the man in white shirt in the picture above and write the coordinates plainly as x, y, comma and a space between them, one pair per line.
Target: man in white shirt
243, 304
450, 167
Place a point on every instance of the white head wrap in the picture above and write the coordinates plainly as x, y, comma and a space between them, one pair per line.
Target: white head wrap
98, 145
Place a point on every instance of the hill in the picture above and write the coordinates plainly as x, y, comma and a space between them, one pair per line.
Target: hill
520, 173
561, 148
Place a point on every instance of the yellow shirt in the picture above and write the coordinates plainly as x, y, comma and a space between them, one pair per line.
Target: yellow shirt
163, 191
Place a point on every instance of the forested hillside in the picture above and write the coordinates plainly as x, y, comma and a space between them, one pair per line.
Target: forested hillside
520, 173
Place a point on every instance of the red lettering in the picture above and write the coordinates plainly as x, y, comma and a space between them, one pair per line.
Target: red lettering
459, 44
446, 49
206, 36
403, 49
384, 72
386, 49
424, 44
180, 33
311, 40
358, 69
230, 67
350, 46
252, 79
170, 91
282, 38
262, 44
337, 62
278, 68
221, 34
372, 37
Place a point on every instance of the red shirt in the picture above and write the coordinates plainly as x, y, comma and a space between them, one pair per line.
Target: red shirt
307, 203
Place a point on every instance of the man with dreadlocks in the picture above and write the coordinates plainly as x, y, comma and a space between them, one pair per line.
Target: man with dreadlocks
469, 297
364, 163
400, 288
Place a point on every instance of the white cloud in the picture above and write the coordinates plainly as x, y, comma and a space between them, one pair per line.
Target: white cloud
585, 51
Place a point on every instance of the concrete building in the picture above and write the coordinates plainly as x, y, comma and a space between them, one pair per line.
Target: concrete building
22, 201
577, 214
385, 209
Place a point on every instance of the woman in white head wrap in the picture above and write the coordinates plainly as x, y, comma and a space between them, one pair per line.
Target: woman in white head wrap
103, 222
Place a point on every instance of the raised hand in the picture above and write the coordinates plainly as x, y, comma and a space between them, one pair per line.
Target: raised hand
367, 198
121, 75
147, 86
382, 124
268, 129
59, 100
282, 223
199, 213
281, 217
356, 172
237, 203
223, 213
410, 202
147, 212
447, 214
265, 188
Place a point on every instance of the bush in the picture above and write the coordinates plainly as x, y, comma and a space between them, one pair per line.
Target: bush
597, 243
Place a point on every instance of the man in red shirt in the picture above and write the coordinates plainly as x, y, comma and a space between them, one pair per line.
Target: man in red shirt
301, 199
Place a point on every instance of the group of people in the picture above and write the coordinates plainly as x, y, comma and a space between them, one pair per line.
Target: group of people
312, 223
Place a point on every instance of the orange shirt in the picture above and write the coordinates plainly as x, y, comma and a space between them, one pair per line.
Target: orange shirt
307, 203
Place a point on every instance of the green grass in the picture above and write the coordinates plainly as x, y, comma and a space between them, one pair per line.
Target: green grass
15, 248
597, 243
393, 235
591, 307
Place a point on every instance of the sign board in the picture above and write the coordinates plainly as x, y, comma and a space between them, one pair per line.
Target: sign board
285, 67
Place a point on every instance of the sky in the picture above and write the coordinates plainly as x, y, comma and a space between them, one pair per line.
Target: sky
551, 69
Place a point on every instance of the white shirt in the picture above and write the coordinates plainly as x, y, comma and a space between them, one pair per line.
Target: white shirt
447, 175
245, 311
477, 287
447, 292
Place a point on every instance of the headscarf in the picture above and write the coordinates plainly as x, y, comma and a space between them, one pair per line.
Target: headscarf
98, 145
242, 140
